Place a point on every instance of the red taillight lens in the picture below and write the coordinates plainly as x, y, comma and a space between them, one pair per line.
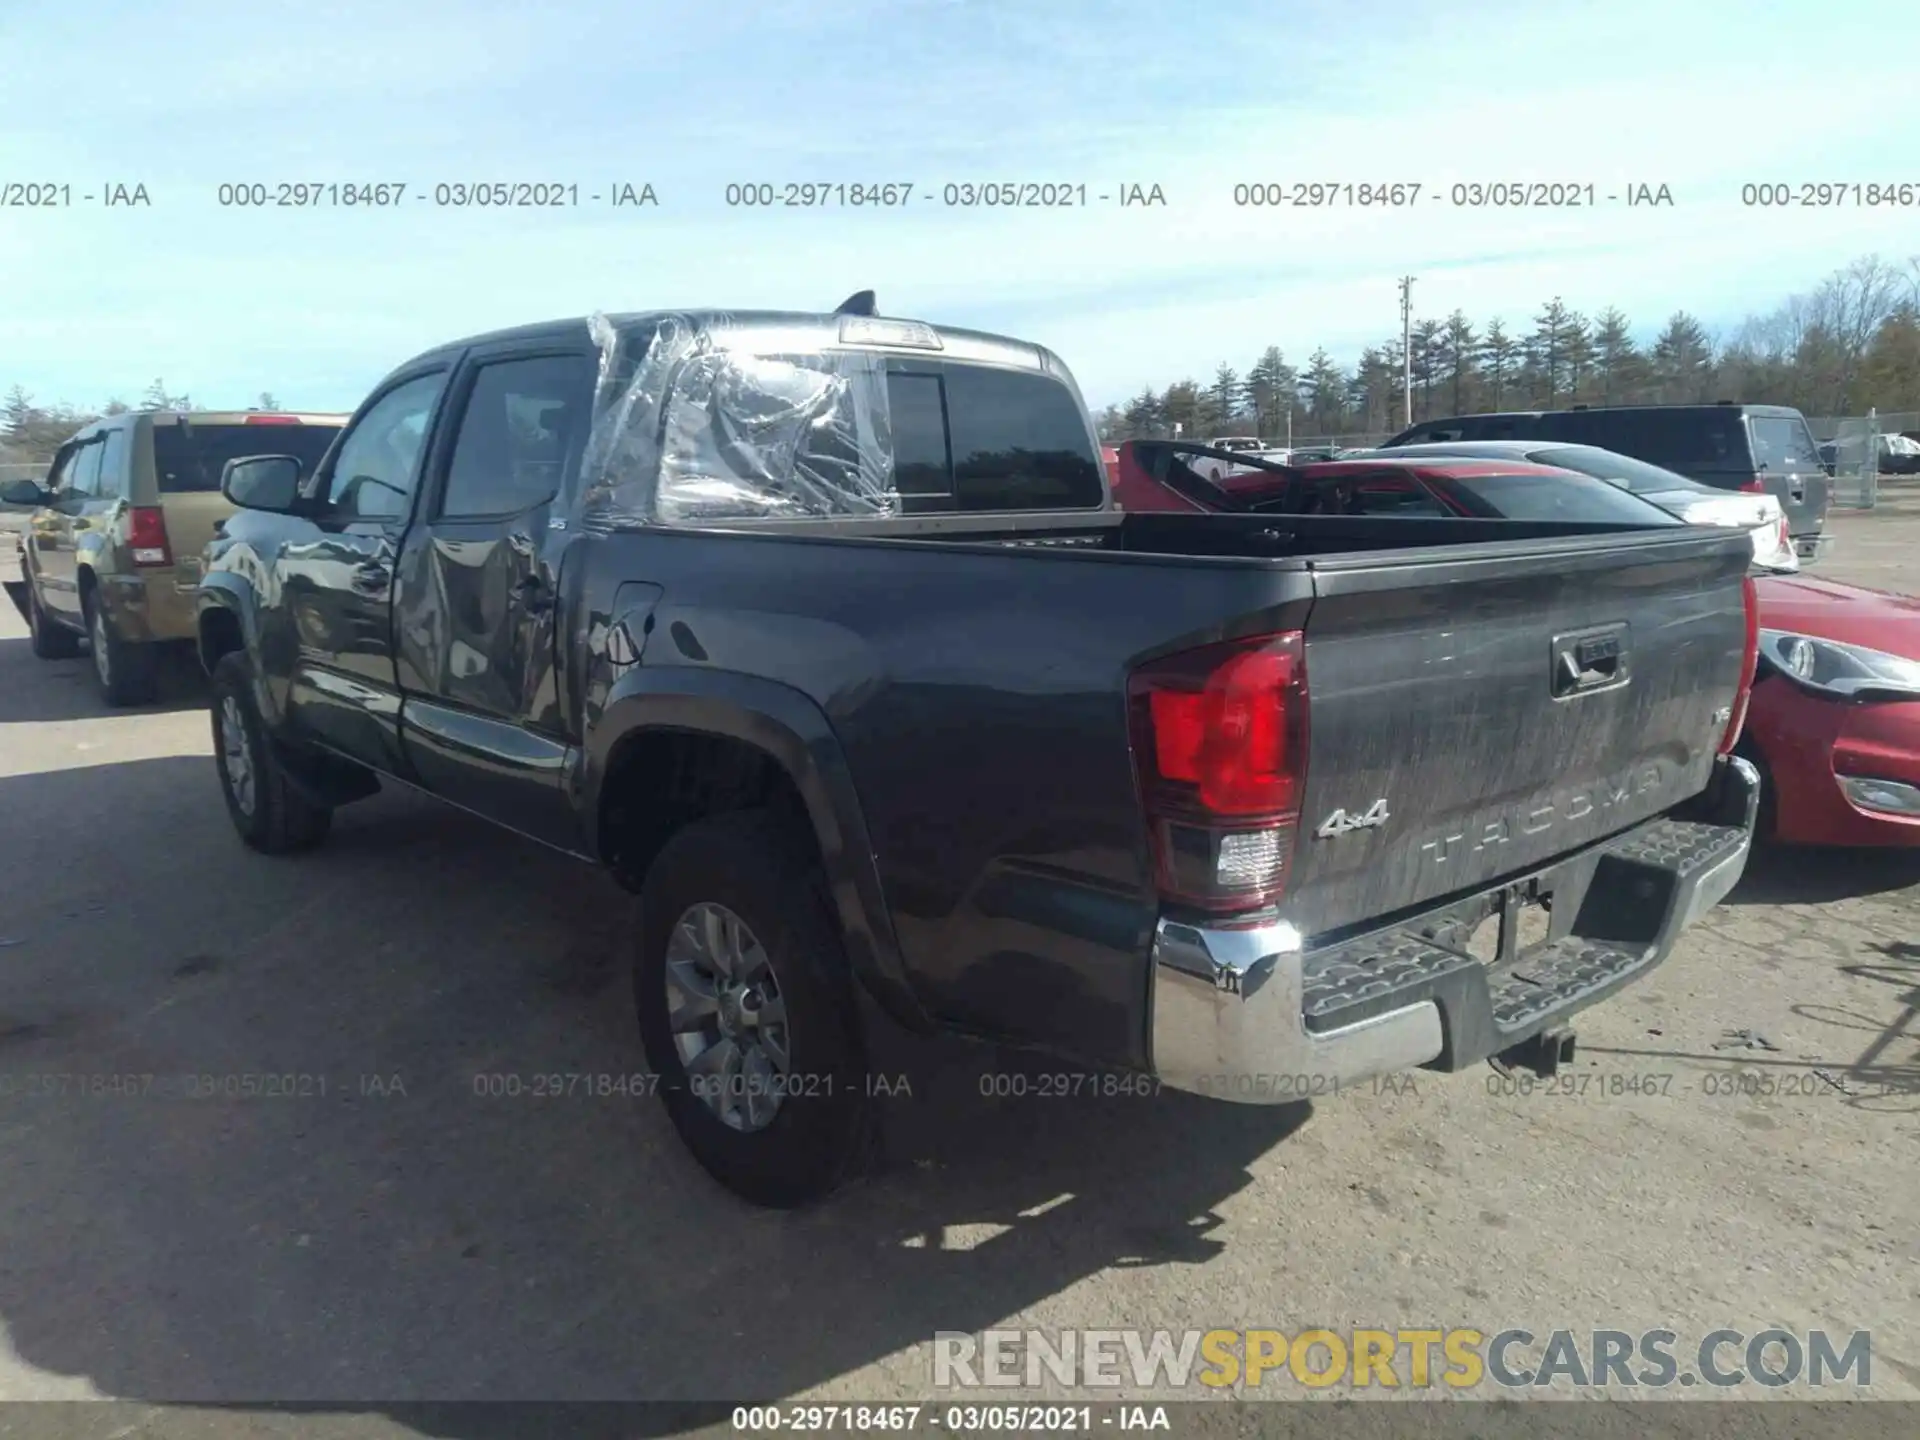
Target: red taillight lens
274, 420
147, 536
1755, 486
1748, 665
1220, 741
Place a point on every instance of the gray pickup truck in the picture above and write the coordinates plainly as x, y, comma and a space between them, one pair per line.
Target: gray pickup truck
823, 633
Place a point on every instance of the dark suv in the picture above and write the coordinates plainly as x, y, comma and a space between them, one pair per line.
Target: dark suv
1759, 449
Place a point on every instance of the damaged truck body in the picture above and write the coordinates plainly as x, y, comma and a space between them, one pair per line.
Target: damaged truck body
822, 632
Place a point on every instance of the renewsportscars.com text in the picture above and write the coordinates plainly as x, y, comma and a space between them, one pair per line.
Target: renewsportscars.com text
1410, 1358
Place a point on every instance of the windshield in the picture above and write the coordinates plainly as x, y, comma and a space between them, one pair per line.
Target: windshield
189, 458
1635, 475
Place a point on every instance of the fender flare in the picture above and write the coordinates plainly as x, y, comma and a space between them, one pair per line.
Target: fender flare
233, 594
796, 735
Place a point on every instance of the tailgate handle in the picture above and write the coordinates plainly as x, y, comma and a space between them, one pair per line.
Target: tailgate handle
1589, 660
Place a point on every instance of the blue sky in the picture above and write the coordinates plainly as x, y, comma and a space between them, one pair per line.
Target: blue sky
316, 304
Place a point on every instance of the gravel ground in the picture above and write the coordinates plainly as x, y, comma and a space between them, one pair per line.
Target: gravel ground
1737, 1150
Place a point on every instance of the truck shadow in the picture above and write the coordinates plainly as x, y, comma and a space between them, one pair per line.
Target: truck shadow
321, 1167
40, 690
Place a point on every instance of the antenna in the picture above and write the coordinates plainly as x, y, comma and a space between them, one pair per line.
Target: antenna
859, 303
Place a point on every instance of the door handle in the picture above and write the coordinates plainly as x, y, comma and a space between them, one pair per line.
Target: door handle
371, 578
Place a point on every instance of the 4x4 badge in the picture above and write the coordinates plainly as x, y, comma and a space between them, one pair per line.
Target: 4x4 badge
1341, 823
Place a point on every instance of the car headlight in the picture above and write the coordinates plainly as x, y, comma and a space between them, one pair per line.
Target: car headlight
1852, 671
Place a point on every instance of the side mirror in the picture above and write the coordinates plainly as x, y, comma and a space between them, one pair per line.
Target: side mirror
24, 492
262, 482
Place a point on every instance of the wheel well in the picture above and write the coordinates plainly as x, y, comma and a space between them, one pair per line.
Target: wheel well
219, 635
661, 780
89, 582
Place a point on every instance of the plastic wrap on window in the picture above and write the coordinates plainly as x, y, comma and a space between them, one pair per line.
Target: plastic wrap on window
702, 420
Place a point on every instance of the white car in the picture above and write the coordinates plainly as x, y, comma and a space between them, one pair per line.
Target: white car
1693, 502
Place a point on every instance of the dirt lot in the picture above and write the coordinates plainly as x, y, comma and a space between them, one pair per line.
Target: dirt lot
1742, 1153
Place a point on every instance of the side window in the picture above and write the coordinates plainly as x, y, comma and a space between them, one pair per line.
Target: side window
378, 461
922, 468
62, 467
84, 472
523, 419
113, 466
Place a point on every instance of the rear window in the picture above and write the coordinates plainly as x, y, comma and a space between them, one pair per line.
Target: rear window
1578, 498
968, 438
188, 458
1636, 475
1783, 442
1708, 438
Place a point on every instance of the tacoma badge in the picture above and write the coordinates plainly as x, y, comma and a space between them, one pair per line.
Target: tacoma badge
1340, 822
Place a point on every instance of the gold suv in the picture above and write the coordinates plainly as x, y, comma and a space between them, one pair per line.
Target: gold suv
112, 551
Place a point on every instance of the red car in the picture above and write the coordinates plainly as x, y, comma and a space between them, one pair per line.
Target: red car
1155, 475
1834, 721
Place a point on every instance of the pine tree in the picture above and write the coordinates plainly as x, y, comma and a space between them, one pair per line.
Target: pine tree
1429, 342
1225, 396
1460, 352
1499, 357
19, 412
1321, 393
1683, 361
1617, 364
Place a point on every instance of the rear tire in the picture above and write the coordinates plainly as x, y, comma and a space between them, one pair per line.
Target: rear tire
51, 640
751, 866
126, 671
271, 815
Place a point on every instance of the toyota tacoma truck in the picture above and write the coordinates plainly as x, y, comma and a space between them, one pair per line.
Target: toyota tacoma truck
822, 633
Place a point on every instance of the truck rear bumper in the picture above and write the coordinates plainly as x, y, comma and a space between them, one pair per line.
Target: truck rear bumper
1250, 1014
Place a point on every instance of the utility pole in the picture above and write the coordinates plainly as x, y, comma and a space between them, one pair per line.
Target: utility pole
1406, 343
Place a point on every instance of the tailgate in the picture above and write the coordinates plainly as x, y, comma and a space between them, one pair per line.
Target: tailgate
1805, 497
1504, 706
191, 518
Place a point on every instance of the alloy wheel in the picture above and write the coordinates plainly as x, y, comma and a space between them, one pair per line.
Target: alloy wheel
727, 1016
235, 761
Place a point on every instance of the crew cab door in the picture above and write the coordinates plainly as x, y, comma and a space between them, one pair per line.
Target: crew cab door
337, 576
476, 605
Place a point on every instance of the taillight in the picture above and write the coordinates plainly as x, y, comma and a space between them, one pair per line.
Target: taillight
1755, 486
1748, 664
259, 419
147, 536
1220, 742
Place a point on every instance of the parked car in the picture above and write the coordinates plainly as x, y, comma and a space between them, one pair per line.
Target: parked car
1226, 456
112, 551
822, 633
1693, 502
1757, 449
1892, 454
1835, 721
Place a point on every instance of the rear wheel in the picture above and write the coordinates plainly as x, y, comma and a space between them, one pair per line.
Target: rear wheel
747, 1010
126, 671
51, 641
270, 813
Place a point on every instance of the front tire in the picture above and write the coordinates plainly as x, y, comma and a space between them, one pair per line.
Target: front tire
51, 641
125, 671
747, 1010
270, 813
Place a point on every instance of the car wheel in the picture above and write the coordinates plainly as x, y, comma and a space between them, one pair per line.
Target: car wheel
270, 813
51, 641
125, 671
747, 1010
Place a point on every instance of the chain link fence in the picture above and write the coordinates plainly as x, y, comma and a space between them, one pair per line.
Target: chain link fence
1868, 452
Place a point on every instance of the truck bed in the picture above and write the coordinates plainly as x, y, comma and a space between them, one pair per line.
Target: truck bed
973, 672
